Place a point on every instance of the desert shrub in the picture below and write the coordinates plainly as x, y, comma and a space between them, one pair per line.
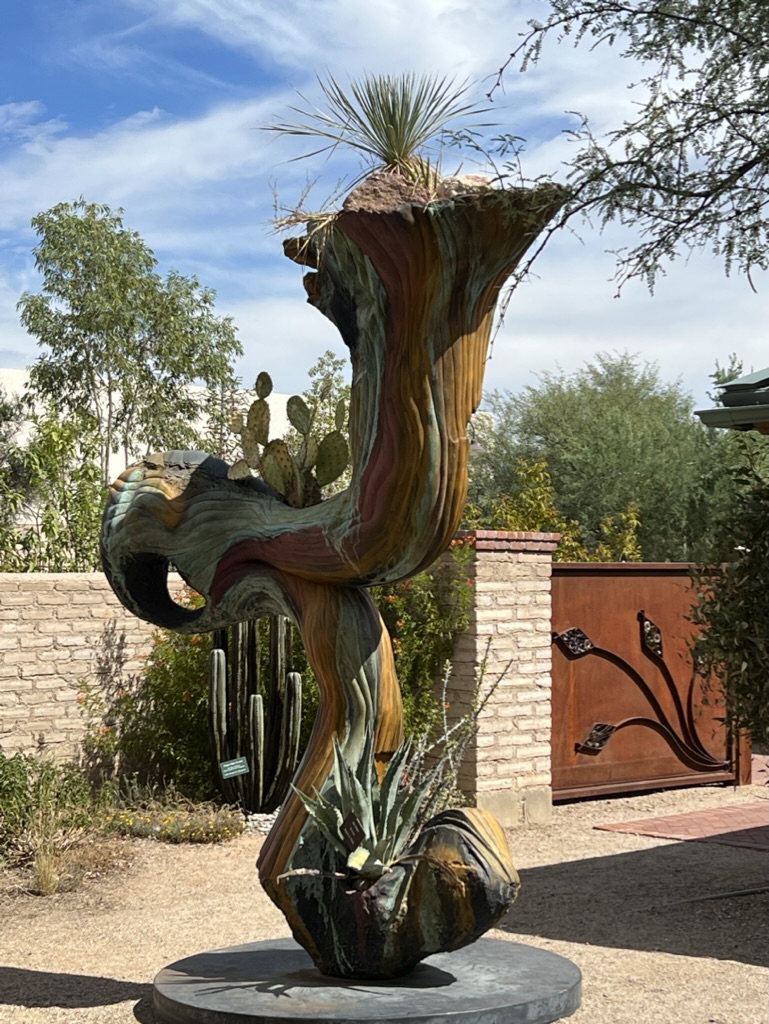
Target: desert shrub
530, 505
170, 818
45, 810
154, 726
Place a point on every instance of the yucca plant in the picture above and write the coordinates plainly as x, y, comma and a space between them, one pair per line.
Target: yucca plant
388, 119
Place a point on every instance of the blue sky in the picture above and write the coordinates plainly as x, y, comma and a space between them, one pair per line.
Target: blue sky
155, 106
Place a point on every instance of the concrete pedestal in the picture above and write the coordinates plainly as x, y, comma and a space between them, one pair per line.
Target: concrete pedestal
489, 982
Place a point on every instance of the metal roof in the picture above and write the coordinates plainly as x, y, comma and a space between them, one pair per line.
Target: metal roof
745, 404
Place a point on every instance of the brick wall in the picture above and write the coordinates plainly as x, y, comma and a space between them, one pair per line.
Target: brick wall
507, 770
55, 629
58, 628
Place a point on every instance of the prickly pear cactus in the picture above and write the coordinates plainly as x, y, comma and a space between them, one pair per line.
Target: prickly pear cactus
254, 717
297, 475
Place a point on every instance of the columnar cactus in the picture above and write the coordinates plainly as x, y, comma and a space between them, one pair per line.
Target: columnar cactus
241, 724
238, 712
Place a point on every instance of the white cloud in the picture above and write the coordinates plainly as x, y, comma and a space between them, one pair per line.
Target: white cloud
390, 35
568, 313
23, 122
141, 154
285, 336
15, 115
197, 186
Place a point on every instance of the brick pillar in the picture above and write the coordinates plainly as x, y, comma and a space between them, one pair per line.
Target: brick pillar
507, 768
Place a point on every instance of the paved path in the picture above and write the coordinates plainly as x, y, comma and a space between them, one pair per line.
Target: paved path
746, 826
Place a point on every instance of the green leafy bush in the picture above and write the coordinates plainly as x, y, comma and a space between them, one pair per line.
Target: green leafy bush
732, 608
154, 726
425, 615
531, 506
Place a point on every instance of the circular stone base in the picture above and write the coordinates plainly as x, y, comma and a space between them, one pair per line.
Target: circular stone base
489, 982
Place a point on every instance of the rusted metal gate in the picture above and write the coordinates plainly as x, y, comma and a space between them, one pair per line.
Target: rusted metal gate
628, 709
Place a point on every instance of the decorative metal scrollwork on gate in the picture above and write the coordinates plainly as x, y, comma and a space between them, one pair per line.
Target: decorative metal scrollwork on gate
596, 739
575, 641
679, 730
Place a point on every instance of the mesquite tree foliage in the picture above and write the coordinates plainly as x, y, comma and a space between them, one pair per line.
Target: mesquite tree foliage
690, 169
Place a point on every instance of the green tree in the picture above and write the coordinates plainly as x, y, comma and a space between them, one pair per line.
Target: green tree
732, 608
327, 389
224, 400
54, 497
689, 169
122, 344
530, 505
612, 435
10, 422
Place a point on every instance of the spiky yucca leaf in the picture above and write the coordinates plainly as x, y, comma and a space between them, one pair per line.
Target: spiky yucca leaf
388, 118
354, 793
387, 803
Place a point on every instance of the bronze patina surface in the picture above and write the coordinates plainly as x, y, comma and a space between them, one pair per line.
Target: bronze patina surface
412, 291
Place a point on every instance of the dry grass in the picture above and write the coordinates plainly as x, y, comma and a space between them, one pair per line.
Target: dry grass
52, 871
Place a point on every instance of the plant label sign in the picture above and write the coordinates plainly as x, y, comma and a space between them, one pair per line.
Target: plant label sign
238, 766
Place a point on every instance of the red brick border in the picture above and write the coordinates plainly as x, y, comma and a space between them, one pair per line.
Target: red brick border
510, 540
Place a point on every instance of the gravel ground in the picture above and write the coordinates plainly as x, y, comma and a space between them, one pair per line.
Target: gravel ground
610, 902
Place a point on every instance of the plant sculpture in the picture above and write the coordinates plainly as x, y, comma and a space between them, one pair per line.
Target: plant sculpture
411, 284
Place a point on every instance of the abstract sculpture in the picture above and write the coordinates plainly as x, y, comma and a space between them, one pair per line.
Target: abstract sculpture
411, 286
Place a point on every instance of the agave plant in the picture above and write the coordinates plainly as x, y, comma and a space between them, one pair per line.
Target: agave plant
372, 824
369, 823
388, 119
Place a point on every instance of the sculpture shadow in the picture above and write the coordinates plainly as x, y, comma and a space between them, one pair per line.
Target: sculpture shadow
655, 900
20, 986
283, 970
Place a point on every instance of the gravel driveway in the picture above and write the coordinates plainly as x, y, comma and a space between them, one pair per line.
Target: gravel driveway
609, 901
